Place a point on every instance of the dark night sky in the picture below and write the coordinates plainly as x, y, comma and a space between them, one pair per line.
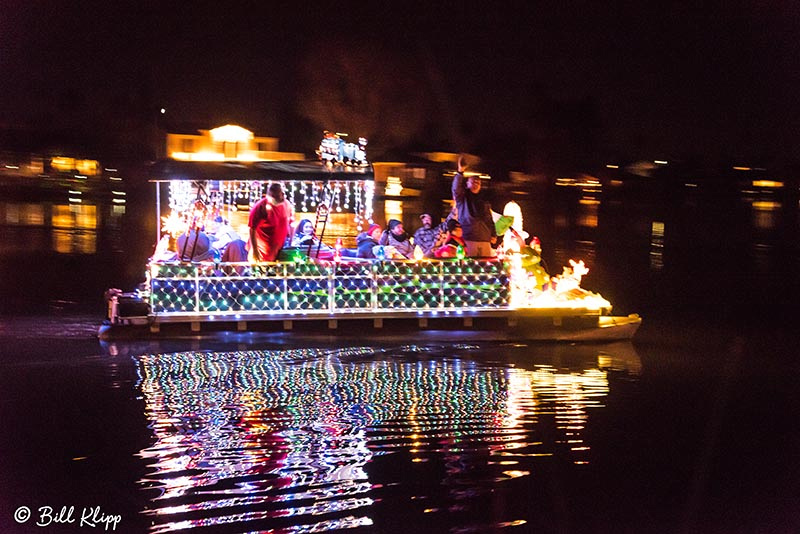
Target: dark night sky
659, 82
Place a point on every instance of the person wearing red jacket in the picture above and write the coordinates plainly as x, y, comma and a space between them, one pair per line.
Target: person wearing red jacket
454, 239
269, 225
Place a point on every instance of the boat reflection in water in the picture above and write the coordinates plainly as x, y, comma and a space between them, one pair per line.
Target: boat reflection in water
284, 438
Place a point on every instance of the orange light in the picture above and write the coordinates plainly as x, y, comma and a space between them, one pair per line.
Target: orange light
230, 133
767, 183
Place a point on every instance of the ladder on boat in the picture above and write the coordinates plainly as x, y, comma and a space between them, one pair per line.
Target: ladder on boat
321, 218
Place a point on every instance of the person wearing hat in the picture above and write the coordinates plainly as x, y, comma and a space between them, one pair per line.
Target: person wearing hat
426, 236
453, 240
396, 236
221, 233
474, 214
367, 241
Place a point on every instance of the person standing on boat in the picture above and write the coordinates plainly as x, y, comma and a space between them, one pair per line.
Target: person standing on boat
269, 225
474, 213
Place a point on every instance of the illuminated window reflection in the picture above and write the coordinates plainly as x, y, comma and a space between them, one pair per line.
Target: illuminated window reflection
765, 214
657, 245
24, 214
74, 228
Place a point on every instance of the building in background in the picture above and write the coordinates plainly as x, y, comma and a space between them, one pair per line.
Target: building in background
226, 143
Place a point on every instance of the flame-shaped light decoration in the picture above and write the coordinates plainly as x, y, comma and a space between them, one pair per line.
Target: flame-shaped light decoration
563, 292
173, 224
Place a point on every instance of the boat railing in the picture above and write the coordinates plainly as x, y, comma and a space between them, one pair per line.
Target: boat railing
316, 287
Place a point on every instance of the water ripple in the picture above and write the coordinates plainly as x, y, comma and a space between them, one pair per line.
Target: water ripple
284, 439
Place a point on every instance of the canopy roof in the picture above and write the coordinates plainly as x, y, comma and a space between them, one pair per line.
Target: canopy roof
170, 169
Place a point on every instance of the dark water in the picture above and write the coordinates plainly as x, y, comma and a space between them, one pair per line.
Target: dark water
690, 428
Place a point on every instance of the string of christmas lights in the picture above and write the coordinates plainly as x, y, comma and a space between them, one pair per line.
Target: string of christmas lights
225, 197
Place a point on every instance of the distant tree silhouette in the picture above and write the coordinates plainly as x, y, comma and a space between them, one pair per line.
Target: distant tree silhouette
365, 91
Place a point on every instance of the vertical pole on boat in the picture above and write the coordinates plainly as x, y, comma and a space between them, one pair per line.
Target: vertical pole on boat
158, 211
373, 297
285, 275
331, 282
441, 284
196, 288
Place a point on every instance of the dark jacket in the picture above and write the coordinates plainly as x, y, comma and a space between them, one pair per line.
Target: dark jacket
364, 242
194, 246
473, 212
401, 243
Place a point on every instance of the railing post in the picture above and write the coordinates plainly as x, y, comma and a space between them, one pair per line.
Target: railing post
151, 297
196, 288
331, 279
285, 287
374, 293
441, 284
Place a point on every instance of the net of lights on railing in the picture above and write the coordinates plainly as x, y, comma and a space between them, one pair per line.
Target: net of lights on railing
323, 287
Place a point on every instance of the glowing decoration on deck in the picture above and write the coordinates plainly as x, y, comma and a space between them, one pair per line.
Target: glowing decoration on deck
418, 254
512, 209
337, 255
562, 291
173, 224
571, 277
334, 150
510, 240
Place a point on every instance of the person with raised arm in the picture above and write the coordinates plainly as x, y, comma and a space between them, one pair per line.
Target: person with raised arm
474, 213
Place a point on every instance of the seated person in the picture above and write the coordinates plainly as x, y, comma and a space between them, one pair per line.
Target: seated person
426, 236
396, 237
304, 237
221, 233
453, 239
367, 241
235, 251
194, 245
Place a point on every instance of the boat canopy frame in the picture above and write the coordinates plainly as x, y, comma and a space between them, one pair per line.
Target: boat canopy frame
200, 173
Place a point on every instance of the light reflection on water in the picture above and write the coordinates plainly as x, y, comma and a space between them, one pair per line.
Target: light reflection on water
285, 438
